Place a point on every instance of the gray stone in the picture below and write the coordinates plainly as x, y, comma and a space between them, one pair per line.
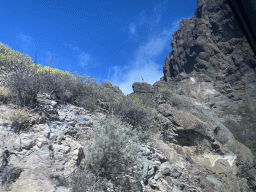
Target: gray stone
142, 88
26, 141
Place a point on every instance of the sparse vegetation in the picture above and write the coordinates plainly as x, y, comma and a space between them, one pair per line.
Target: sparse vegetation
115, 148
27, 80
84, 180
146, 100
166, 93
169, 96
136, 115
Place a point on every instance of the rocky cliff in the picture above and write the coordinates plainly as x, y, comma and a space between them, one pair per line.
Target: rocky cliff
211, 50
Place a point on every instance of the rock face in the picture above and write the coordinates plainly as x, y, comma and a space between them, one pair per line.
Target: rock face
190, 154
142, 88
107, 84
42, 158
210, 47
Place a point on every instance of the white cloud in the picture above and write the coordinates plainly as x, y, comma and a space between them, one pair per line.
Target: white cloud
26, 41
82, 57
150, 72
144, 64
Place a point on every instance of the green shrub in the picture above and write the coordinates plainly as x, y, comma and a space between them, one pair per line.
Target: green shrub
169, 96
145, 100
140, 117
166, 93
9, 57
175, 101
54, 85
248, 115
115, 148
24, 87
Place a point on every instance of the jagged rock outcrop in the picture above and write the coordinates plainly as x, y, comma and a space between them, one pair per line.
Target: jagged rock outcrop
142, 88
143, 91
211, 49
116, 89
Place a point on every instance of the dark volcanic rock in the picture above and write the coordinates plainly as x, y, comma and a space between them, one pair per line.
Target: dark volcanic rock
116, 89
212, 47
107, 84
142, 88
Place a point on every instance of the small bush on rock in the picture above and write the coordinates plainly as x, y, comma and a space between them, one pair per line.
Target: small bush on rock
166, 93
145, 100
84, 180
139, 116
115, 148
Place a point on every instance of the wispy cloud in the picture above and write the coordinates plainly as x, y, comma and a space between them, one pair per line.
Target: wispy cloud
133, 28
144, 63
152, 17
83, 58
25, 40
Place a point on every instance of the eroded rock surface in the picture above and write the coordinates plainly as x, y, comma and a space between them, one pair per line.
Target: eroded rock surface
116, 89
46, 151
142, 88
211, 49
193, 152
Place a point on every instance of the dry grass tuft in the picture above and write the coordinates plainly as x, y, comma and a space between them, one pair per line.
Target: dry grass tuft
20, 118
4, 95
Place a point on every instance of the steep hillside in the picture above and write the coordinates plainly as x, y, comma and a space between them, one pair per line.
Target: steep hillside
64, 132
213, 62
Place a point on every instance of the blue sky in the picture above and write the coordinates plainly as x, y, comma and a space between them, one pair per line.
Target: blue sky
115, 40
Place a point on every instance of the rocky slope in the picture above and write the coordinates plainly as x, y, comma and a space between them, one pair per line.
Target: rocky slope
190, 150
213, 62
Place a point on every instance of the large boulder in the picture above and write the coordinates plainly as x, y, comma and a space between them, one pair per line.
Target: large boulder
142, 88
116, 89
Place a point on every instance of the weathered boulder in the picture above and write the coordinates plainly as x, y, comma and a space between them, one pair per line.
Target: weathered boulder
142, 88
107, 84
116, 89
